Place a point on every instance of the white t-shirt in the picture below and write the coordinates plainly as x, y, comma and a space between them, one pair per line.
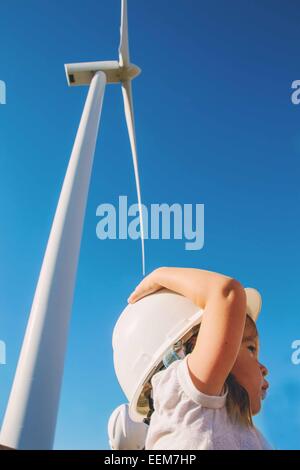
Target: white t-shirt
185, 418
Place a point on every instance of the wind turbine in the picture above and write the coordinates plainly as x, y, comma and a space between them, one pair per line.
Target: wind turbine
31, 413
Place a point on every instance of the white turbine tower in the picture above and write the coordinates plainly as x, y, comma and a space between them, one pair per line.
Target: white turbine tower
30, 418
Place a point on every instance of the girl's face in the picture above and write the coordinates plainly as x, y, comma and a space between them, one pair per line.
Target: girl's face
248, 371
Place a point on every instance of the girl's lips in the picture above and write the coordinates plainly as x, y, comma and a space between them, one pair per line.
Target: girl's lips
264, 392
264, 389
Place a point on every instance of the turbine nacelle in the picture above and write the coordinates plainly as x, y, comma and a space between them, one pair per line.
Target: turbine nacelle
82, 73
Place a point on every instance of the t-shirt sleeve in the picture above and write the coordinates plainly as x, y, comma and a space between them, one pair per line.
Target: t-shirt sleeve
175, 385
187, 385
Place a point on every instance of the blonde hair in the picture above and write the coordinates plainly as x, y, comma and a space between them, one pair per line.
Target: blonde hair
238, 402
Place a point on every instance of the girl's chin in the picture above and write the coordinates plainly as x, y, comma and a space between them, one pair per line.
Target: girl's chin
256, 408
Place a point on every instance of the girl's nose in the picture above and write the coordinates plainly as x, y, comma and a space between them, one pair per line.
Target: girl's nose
263, 369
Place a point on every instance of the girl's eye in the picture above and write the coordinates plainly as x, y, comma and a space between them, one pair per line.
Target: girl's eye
252, 348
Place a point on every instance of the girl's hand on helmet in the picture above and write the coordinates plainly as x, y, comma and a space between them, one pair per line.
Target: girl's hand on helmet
147, 286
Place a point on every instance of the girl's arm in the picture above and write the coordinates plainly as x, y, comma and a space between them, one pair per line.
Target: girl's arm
224, 302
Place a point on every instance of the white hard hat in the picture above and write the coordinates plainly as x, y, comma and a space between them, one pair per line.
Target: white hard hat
254, 302
144, 333
123, 433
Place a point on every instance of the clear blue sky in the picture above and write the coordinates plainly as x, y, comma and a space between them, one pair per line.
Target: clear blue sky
215, 125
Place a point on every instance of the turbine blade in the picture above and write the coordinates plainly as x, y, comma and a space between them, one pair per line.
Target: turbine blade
124, 47
128, 106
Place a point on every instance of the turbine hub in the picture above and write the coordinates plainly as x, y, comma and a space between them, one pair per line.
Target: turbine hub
82, 73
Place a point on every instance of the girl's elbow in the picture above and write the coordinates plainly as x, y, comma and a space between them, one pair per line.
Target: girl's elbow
235, 293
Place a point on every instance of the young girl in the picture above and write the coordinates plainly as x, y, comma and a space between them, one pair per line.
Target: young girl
207, 399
